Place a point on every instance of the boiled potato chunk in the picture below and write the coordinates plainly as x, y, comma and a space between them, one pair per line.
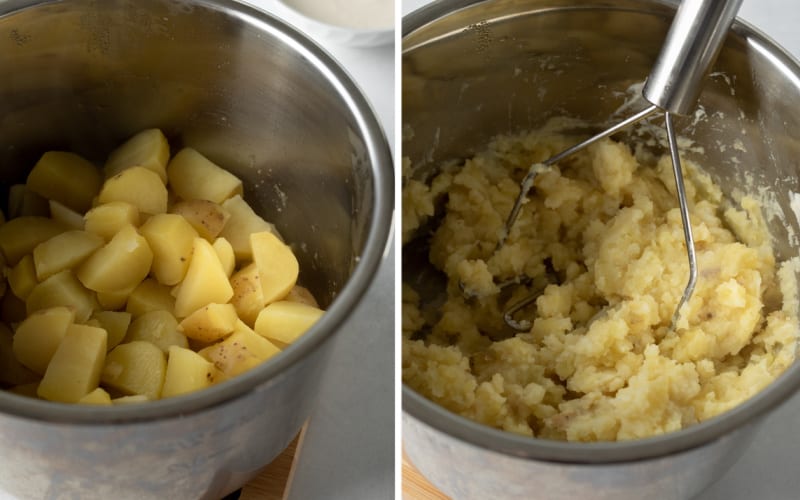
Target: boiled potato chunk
150, 295
66, 178
159, 328
75, 368
136, 367
247, 297
149, 149
209, 323
225, 254
66, 216
97, 397
194, 177
242, 223
187, 372
62, 289
22, 277
64, 251
171, 238
37, 338
23, 201
114, 300
277, 265
108, 219
285, 321
12, 372
205, 281
120, 264
115, 323
129, 400
302, 295
206, 217
20, 236
138, 186
241, 351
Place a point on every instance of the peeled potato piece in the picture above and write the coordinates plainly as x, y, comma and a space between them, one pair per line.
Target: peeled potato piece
66, 178
97, 397
115, 323
138, 186
75, 368
187, 372
62, 289
285, 321
242, 223
22, 277
21, 235
66, 216
194, 177
107, 219
12, 372
64, 251
37, 338
149, 149
23, 201
160, 328
205, 281
119, 265
225, 254
277, 265
171, 238
209, 323
206, 217
149, 295
136, 367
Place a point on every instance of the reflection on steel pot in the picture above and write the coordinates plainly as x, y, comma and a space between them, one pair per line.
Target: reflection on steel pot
472, 70
255, 96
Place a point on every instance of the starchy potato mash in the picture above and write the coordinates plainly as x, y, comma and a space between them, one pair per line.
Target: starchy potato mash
601, 239
149, 278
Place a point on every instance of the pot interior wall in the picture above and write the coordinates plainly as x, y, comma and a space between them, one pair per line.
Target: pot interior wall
84, 75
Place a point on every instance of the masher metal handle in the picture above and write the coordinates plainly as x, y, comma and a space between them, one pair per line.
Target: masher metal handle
692, 44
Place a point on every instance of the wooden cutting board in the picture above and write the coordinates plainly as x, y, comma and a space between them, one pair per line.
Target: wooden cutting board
274, 480
416, 487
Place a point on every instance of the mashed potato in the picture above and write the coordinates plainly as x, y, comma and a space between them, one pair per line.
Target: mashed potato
601, 239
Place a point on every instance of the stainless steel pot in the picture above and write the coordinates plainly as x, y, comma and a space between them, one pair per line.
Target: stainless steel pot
474, 69
255, 96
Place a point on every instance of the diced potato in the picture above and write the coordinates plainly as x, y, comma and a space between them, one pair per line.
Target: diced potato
194, 177
12, 309
64, 251
159, 328
37, 338
115, 323
20, 236
66, 178
206, 217
138, 186
209, 323
285, 321
225, 254
277, 266
75, 368
171, 238
12, 372
136, 367
114, 300
66, 216
108, 219
149, 149
205, 281
22, 277
120, 264
28, 390
242, 223
241, 351
22, 201
129, 400
187, 372
150, 295
302, 295
62, 289
247, 297
98, 396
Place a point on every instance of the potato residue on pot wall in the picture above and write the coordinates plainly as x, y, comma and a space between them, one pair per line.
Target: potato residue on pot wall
602, 230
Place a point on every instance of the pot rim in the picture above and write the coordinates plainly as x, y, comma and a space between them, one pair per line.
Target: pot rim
482, 436
373, 252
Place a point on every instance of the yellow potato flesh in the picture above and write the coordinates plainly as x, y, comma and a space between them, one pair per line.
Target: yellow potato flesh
243, 222
115, 323
240, 351
75, 368
171, 238
136, 367
225, 254
37, 338
106, 220
62, 289
97, 397
194, 177
64, 251
160, 328
206, 217
247, 297
277, 265
302, 295
22, 277
66, 178
187, 372
138, 186
66, 216
22, 201
119, 265
20, 236
149, 295
149, 149
210, 322
12, 372
285, 321
205, 281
